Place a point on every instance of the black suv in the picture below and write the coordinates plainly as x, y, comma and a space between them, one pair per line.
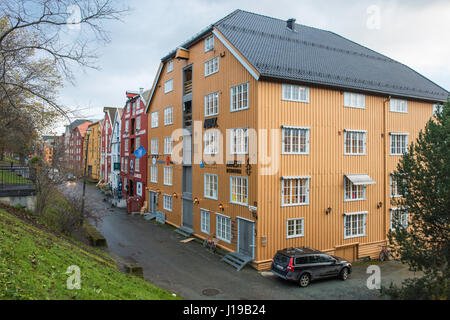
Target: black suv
305, 264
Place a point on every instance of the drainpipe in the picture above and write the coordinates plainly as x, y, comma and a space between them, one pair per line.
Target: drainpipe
385, 195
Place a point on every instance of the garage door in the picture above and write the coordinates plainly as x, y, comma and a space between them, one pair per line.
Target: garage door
349, 253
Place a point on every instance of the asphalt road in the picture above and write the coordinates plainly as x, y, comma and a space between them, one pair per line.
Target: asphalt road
192, 272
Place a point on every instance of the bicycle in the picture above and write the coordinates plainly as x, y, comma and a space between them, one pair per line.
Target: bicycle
211, 244
385, 254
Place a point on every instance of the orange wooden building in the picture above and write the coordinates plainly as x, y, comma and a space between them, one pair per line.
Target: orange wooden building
267, 134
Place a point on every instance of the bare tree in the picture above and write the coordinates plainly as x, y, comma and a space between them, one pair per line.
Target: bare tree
49, 35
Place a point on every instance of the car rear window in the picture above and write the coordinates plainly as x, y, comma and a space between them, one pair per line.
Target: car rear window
281, 259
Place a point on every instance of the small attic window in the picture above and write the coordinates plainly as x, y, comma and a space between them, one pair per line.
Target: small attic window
170, 66
209, 43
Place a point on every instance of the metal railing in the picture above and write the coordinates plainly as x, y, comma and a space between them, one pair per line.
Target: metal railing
12, 178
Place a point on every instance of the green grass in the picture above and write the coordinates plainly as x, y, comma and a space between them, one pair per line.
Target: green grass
33, 264
11, 177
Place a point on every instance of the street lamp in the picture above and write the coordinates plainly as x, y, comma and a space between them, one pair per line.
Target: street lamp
88, 133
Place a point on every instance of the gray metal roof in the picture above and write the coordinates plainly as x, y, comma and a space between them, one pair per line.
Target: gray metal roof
322, 57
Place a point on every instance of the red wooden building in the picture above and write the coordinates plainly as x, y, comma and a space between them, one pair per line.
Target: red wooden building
76, 141
133, 171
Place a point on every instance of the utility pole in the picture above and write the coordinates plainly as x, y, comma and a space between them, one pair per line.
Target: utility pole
88, 133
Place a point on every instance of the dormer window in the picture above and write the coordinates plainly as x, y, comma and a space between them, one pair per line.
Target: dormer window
209, 43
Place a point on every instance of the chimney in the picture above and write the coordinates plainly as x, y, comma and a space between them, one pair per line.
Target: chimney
141, 90
290, 23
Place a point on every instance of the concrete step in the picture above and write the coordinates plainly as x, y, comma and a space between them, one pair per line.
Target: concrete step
184, 231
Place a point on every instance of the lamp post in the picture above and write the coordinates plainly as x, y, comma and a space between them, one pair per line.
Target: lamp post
88, 133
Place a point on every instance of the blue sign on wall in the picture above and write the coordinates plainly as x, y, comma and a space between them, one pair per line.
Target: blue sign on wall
140, 152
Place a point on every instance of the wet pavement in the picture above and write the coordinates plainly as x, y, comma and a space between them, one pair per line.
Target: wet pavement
192, 272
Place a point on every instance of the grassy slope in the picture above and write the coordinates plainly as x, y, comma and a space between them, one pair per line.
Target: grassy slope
33, 263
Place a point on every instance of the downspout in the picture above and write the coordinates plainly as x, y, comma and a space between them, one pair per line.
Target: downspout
385, 168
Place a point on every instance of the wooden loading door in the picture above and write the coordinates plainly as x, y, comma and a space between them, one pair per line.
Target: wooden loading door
349, 253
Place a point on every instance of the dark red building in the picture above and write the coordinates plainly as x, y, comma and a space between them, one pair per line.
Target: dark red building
76, 142
133, 170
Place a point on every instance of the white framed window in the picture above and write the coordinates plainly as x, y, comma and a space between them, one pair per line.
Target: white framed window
168, 86
239, 97
170, 66
355, 224
398, 105
239, 141
167, 202
296, 93
399, 143
154, 118
355, 142
127, 126
126, 145
126, 165
212, 104
295, 228
211, 140
353, 192
294, 191
211, 186
354, 100
133, 108
394, 186
223, 227
138, 123
168, 116
154, 146
154, 174
295, 140
239, 190
138, 143
437, 108
136, 164
205, 221
399, 216
168, 174
168, 145
212, 66
209, 43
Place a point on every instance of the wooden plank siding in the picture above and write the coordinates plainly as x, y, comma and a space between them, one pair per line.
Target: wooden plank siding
230, 73
326, 163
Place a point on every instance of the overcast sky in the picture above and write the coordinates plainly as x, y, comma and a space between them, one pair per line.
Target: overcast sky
413, 32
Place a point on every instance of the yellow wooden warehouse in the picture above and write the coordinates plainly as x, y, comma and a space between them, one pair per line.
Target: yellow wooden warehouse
267, 134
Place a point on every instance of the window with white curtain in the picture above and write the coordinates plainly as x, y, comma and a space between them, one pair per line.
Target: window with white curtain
296, 93
211, 139
295, 140
399, 143
168, 86
239, 141
354, 100
398, 105
168, 116
354, 142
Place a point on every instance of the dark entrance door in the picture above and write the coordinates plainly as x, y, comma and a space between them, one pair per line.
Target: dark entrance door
152, 201
131, 188
246, 237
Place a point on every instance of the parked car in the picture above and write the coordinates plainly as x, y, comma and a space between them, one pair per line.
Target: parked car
304, 265
70, 177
